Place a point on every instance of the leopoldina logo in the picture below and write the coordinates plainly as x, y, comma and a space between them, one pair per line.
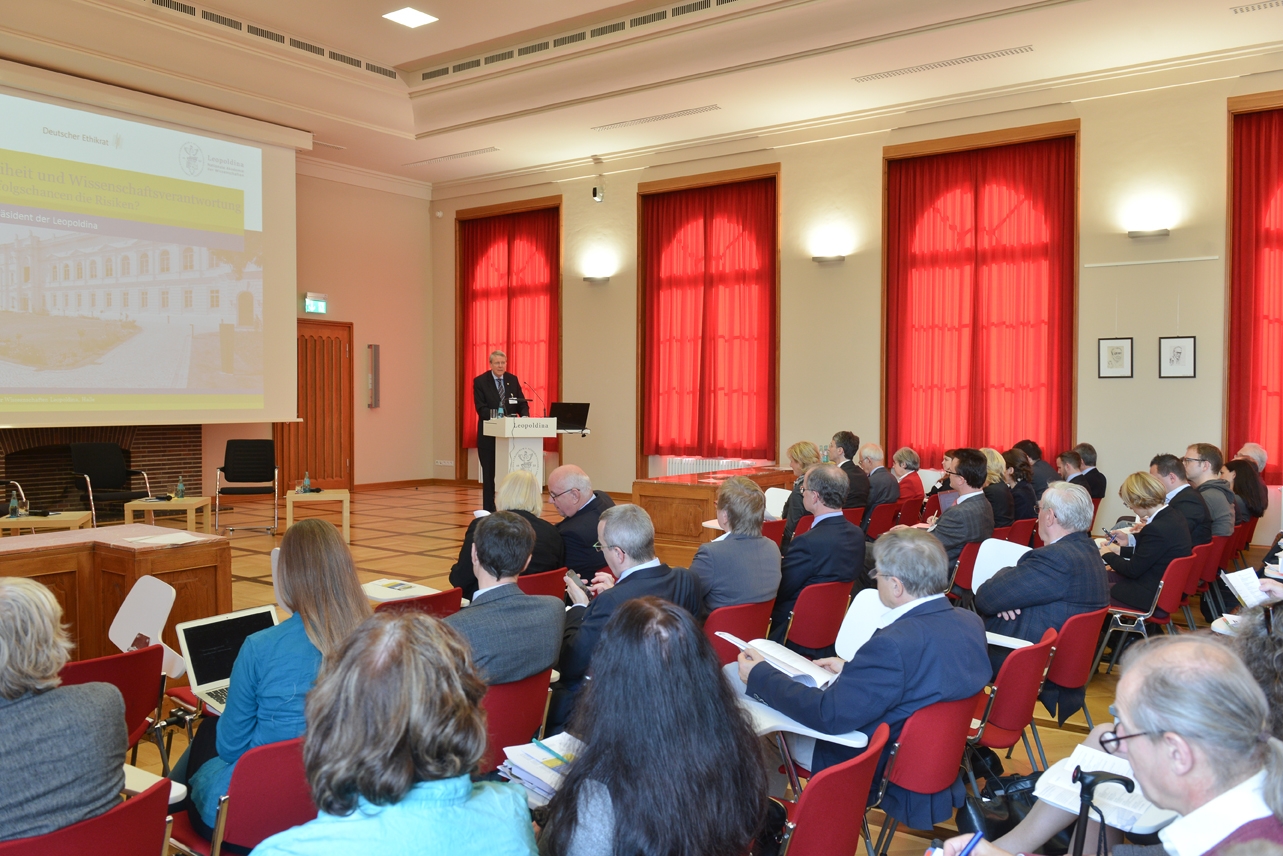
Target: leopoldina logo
191, 159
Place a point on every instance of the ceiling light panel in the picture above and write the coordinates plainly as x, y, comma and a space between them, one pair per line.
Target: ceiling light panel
410, 17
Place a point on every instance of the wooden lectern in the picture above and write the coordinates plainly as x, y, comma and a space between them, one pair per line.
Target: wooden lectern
518, 444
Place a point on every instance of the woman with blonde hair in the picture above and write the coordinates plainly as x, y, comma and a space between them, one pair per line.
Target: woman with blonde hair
802, 456
276, 667
394, 730
521, 493
996, 490
1137, 562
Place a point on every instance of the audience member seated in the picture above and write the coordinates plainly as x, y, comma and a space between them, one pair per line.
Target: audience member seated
62, 749
520, 493
1018, 474
393, 731
572, 495
1250, 496
741, 566
1070, 467
904, 464
832, 550
1049, 585
1135, 572
802, 456
627, 541
1255, 453
671, 763
996, 489
842, 451
1093, 479
946, 467
970, 519
1196, 729
1169, 470
1203, 465
513, 635
924, 651
1044, 473
884, 488
276, 667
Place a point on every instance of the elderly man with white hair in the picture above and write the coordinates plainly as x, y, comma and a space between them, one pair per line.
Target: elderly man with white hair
62, 749
1255, 453
884, 487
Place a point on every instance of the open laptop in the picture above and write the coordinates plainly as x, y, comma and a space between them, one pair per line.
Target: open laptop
570, 416
210, 646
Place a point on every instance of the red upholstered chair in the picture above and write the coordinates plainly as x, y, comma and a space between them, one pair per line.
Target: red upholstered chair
1022, 531
1075, 647
1249, 532
855, 515
803, 524
926, 758
882, 519
932, 507
1124, 621
747, 621
551, 583
438, 605
1002, 533
1175, 579
139, 826
1095, 510
817, 615
1206, 587
514, 713
910, 512
1203, 554
826, 819
268, 794
774, 529
137, 674
1010, 707
964, 569
1242, 537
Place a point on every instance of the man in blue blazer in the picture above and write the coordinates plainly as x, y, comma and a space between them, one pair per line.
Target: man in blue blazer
572, 494
832, 550
924, 651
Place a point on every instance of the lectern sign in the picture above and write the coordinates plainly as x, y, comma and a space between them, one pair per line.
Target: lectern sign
519, 443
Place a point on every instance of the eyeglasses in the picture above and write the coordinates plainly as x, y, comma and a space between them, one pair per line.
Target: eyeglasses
600, 547
1110, 739
1194, 460
552, 495
951, 473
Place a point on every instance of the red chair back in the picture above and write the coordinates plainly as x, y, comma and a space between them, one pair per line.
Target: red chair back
1174, 580
932, 507
910, 511
551, 583
882, 519
1220, 546
1095, 509
1242, 535
803, 524
774, 529
135, 673
1002, 533
1015, 693
135, 827
1075, 649
966, 564
818, 614
827, 820
1203, 554
748, 621
1022, 531
927, 756
514, 714
268, 793
438, 605
855, 515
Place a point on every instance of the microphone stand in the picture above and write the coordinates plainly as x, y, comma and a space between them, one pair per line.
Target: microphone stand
537, 396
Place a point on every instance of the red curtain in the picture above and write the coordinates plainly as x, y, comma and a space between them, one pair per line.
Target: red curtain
980, 298
710, 349
510, 266
1255, 370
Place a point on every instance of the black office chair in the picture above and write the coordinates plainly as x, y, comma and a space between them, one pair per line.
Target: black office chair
248, 461
101, 466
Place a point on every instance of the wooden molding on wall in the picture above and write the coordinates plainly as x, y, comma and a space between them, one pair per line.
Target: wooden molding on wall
508, 208
983, 140
1256, 102
707, 179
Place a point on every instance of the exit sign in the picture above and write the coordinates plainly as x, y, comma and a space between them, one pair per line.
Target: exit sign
314, 302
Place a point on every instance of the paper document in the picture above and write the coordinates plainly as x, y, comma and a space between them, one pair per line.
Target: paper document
768, 720
1120, 808
789, 662
995, 554
775, 499
385, 590
540, 766
1006, 641
1246, 587
171, 538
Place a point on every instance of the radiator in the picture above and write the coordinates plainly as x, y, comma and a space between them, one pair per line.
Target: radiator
675, 466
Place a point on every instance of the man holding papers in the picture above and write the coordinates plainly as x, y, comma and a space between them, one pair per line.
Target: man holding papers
924, 651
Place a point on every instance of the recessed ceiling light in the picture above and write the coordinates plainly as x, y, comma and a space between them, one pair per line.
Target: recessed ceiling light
410, 17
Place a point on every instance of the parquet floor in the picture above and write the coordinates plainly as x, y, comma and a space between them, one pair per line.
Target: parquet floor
415, 534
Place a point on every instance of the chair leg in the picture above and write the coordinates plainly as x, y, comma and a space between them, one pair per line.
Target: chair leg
868, 836
1087, 714
1095, 666
1189, 616
1042, 756
1118, 649
971, 773
884, 839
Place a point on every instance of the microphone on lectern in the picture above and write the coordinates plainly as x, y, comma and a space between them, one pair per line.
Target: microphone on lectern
537, 396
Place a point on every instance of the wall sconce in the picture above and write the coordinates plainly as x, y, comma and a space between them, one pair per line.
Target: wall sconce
831, 243
1150, 215
599, 263
828, 259
596, 280
1148, 233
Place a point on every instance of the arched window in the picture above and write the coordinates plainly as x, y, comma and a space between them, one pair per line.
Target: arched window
93, 268
189, 258
163, 265
124, 300
80, 270
143, 297
124, 265
106, 300
144, 264
66, 271
53, 274
108, 267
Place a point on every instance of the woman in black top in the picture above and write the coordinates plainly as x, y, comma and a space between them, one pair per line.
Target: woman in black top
1250, 496
802, 456
996, 490
1135, 572
1019, 476
519, 493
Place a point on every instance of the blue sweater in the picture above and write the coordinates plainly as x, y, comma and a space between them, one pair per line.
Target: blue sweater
273, 673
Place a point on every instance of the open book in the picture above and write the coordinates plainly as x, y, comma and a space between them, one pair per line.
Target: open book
768, 720
1122, 810
1246, 587
790, 663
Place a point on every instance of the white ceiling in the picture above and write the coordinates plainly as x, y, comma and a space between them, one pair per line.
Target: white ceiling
766, 64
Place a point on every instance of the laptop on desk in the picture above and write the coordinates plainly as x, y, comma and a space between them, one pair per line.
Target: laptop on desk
210, 646
570, 416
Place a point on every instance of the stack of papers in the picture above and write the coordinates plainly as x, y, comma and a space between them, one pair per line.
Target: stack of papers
790, 663
385, 590
1246, 587
768, 720
539, 767
1121, 809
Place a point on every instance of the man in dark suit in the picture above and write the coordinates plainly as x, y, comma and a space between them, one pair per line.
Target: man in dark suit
627, 539
741, 566
1044, 473
842, 452
1049, 585
832, 550
970, 518
572, 495
1069, 466
1093, 479
924, 651
1182, 497
493, 390
884, 487
513, 635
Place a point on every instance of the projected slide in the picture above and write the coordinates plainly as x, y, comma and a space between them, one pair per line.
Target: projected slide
131, 265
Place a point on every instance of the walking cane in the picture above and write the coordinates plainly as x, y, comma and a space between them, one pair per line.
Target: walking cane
1088, 782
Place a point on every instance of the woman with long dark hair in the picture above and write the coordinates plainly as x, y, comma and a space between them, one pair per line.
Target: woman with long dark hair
671, 764
1250, 496
1019, 476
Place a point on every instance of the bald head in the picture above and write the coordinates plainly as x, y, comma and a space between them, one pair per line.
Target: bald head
570, 489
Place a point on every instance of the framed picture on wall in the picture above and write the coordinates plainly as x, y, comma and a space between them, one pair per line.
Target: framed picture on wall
1176, 356
1115, 358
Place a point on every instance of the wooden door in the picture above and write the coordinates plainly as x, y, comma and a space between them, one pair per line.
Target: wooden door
321, 444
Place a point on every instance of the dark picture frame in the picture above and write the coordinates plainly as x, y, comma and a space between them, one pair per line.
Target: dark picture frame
1114, 358
1177, 356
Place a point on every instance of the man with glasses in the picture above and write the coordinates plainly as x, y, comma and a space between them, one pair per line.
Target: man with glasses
1203, 463
968, 519
1170, 470
494, 390
572, 495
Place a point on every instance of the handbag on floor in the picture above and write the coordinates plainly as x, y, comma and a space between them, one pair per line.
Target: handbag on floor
1004, 801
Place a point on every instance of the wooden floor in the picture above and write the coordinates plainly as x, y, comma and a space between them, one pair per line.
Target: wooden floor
415, 534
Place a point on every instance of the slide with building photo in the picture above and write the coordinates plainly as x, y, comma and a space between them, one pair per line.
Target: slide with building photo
131, 265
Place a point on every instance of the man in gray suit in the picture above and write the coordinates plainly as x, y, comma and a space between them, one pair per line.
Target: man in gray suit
971, 517
884, 487
513, 635
741, 566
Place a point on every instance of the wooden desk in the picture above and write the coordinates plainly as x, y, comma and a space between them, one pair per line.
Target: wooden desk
327, 495
190, 504
91, 570
53, 523
679, 505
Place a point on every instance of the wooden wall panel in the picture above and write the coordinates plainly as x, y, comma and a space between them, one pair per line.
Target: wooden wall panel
320, 445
